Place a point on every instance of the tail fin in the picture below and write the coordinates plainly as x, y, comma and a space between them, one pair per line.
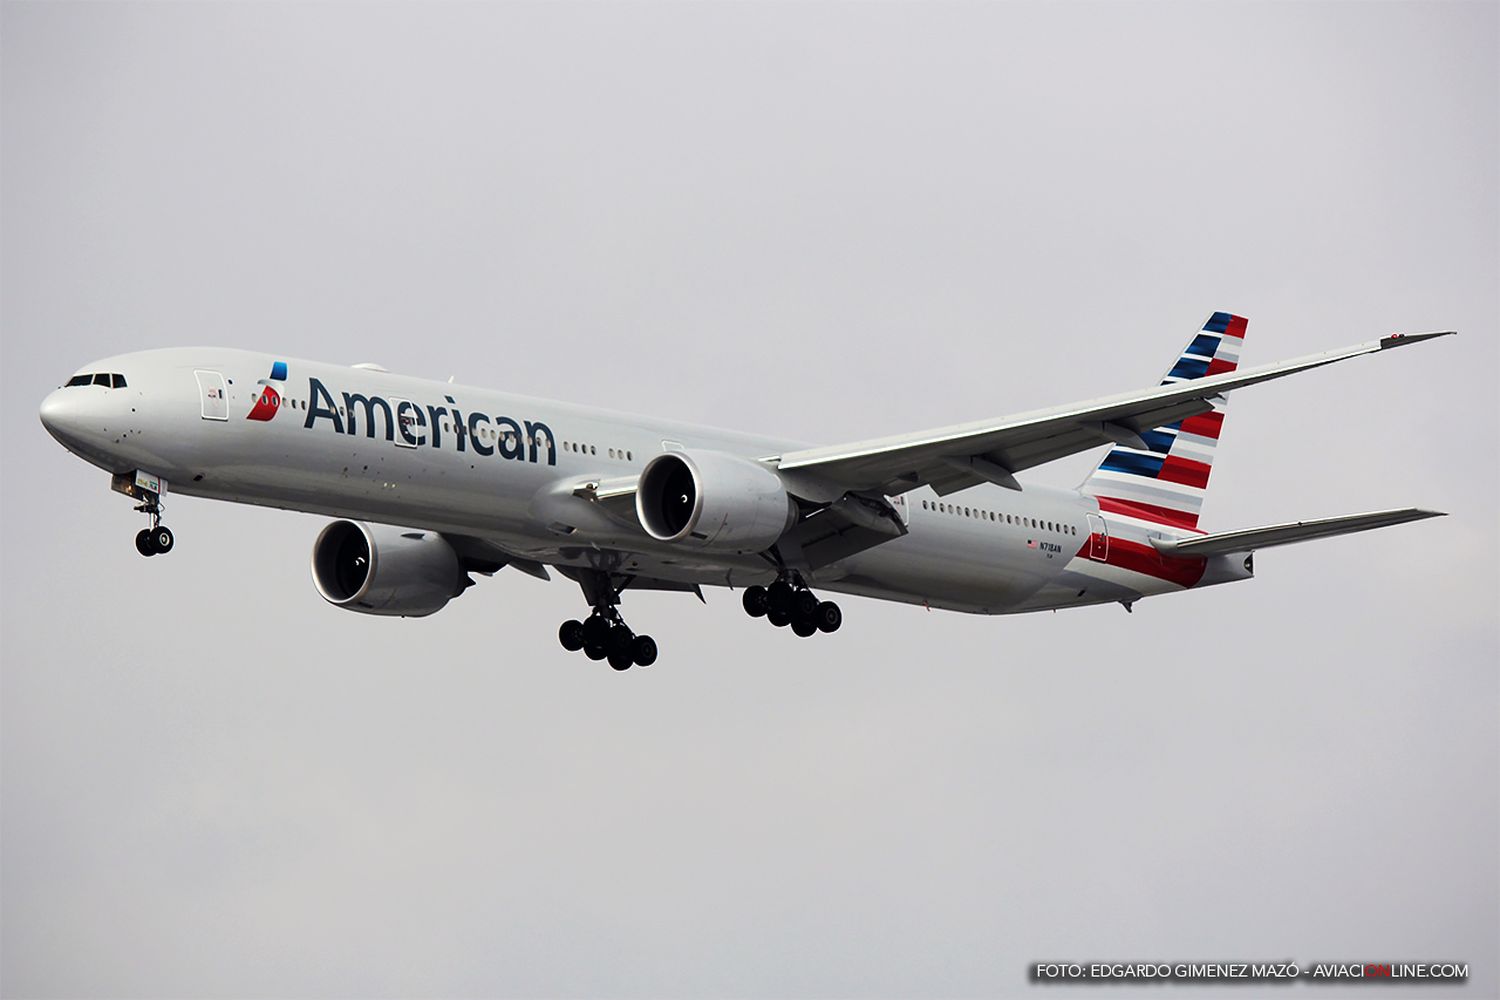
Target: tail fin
1165, 480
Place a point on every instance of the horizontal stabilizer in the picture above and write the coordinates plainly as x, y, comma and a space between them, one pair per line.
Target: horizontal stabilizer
1284, 534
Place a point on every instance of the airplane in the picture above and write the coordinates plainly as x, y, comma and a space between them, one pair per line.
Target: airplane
430, 482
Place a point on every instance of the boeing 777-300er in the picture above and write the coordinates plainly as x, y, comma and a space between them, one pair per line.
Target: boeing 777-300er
432, 481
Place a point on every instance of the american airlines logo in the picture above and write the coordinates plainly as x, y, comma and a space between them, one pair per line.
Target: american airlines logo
268, 400
409, 424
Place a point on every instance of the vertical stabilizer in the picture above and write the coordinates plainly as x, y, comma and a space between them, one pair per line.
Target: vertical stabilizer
1165, 482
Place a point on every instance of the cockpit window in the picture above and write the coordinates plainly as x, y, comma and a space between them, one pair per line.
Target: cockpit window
110, 380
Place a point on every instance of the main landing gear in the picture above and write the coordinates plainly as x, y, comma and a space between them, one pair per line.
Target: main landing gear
789, 602
605, 636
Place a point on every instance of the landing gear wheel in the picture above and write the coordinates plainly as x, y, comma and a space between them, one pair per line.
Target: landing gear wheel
754, 601
805, 604
779, 597
804, 627
161, 539
595, 631
619, 641
828, 617
621, 659
778, 618
594, 652
143, 542
643, 650
570, 634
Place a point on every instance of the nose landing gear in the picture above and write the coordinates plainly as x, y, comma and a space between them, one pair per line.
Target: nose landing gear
156, 540
788, 601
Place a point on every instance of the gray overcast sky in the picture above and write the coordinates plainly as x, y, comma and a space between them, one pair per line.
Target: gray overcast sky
821, 220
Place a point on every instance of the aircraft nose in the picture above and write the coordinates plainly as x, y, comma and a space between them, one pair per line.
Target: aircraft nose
62, 415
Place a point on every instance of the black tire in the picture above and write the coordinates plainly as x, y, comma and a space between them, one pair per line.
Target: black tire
804, 627
594, 652
643, 650
805, 604
570, 634
779, 597
619, 640
828, 617
620, 659
595, 631
143, 542
755, 601
778, 618
161, 539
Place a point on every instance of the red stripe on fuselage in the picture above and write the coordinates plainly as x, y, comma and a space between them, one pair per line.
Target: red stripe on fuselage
1144, 559
1149, 512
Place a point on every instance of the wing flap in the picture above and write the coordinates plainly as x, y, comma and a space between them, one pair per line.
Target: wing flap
1250, 539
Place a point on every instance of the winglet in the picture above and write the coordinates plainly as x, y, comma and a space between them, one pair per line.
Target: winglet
1402, 339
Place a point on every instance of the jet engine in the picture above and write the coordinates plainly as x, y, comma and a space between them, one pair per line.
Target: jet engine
709, 499
376, 569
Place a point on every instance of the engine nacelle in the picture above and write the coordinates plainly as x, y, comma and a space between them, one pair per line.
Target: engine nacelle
709, 499
376, 569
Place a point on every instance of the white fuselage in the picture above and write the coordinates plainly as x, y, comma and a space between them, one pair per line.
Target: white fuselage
369, 445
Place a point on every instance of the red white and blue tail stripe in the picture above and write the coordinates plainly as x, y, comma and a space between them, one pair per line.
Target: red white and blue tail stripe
1164, 483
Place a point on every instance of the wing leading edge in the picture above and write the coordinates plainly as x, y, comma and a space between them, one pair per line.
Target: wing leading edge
963, 455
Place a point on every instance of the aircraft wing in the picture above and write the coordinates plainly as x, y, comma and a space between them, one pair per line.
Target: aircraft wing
1227, 542
954, 458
